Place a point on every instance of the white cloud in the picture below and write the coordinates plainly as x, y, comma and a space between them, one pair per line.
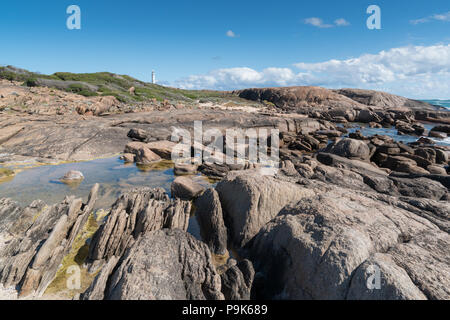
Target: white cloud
318, 22
231, 34
435, 17
414, 71
341, 22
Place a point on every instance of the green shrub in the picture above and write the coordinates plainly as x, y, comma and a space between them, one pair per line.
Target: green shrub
81, 90
31, 82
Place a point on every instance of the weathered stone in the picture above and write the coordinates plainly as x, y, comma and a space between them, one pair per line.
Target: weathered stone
185, 169
237, 281
146, 156
442, 128
138, 134
350, 148
434, 169
136, 212
31, 259
72, 175
209, 216
162, 148
185, 188
249, 200
162, 265
128, 157
315, 248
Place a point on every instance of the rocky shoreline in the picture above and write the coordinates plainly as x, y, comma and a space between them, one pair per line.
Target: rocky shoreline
342, 207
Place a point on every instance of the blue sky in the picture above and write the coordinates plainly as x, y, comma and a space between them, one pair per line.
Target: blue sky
186, 42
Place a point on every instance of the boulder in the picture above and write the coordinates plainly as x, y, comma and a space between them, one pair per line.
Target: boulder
434, 169
128, 157
249, 200
237, 281
146, 156
442, 128
185, 188
426, 153
212, 227
39, 242
367, 116
162, 148
441, 156
138, 134
184, 169
350, 148
437, 134
134, 147
134, 213
73, 175
162, 265
315, 248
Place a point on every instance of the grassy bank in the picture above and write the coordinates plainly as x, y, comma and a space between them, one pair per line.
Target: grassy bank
105, 84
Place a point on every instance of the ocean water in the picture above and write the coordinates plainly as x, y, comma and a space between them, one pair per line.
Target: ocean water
392, 132
442, 103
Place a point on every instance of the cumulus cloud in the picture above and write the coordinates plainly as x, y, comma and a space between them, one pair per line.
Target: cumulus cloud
414, 71
341, 22
231, 34
436, 17
318, 22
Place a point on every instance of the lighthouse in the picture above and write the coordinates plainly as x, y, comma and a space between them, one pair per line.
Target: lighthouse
153, 77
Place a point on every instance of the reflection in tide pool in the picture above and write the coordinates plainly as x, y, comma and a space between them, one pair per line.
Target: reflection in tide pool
112, 174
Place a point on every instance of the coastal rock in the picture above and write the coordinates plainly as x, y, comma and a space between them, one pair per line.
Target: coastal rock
73, 175
32, 257
136, 212
134, 147
394, 282
433, 169
437, 134
299, 98
367, 116
350, 148
249, 200
128, 158
162, 148
138, 135
184, 169
145, 156
209, 216
314, 248
237, 281
185, 188
442, 128
426, 153
162, 265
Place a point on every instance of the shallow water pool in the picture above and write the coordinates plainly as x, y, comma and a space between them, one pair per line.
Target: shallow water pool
112, 174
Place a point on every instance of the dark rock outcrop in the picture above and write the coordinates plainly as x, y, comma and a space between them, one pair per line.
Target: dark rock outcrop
237, 281
249, 200
39, 240
209, 216
161, 265
136, 212
322, 248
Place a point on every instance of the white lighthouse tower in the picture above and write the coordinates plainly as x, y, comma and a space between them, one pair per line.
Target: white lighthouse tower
153, 77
